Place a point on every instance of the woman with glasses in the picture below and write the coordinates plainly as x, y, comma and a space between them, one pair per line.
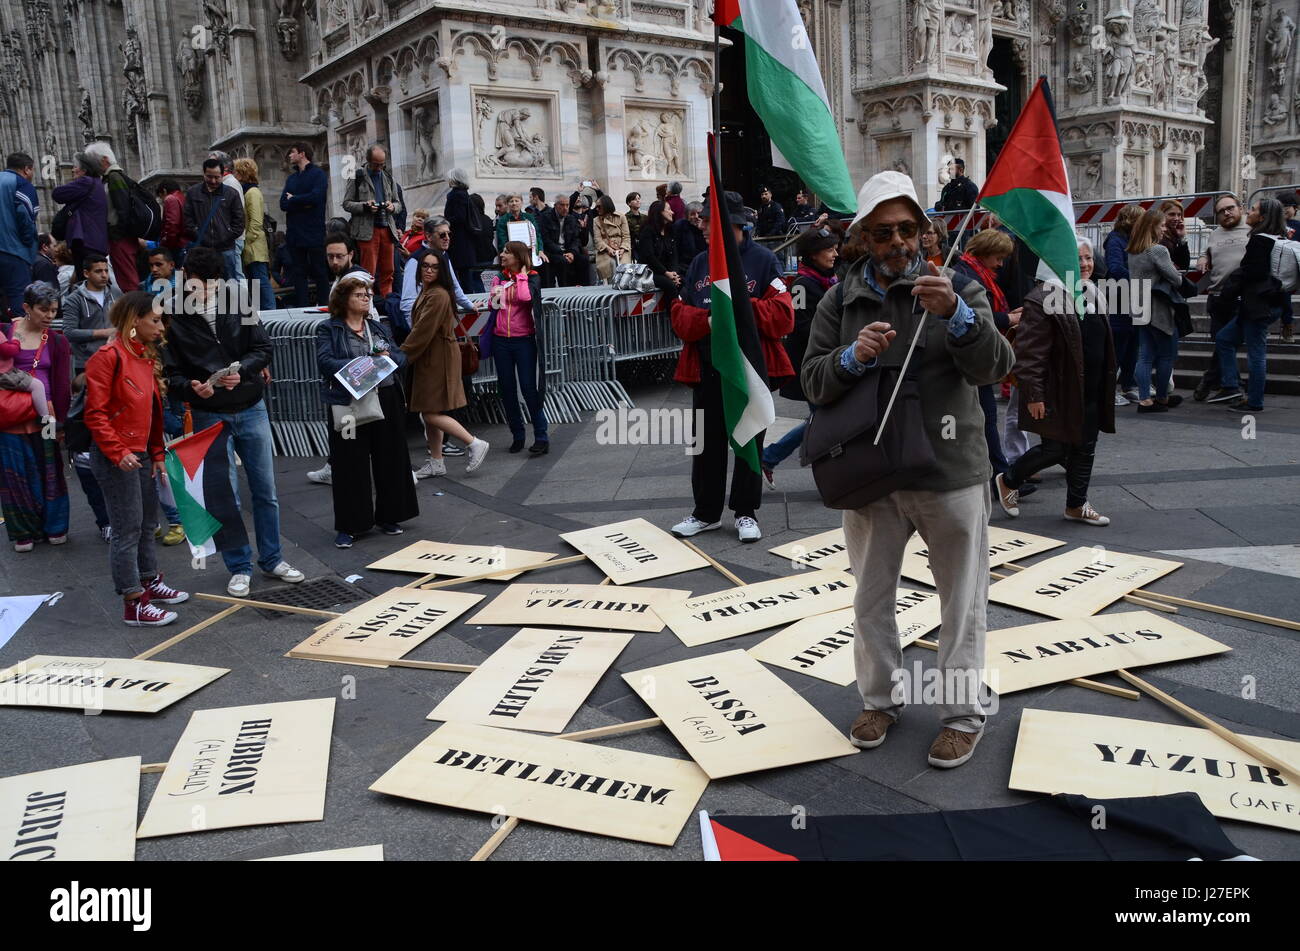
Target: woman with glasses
371, 464
933, 245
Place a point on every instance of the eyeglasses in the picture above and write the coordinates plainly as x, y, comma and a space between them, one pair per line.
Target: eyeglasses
429, 266
883, 233
1219, 211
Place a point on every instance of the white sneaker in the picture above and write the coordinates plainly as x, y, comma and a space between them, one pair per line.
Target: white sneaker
691, 526
285, 572
1088, 514
747, 529
1121, 399
433, 467
1009, 499
478, 451
322, 476
238, 586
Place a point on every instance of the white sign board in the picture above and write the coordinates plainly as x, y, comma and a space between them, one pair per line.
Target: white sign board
634, 550
82, 813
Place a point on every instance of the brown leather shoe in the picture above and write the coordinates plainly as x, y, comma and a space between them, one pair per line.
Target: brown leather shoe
869, 729
952, 747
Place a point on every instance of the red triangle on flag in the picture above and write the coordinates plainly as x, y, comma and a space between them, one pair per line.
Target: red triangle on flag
193, 449
734, 847
1031, 156
726, 12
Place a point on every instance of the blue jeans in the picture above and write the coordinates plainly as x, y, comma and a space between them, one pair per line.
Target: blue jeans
260, 271
519, 354
779, 451
94, 495
992, 432
15, 275
1126, 348
1254, 334
1159, 350
234, 270
250, 436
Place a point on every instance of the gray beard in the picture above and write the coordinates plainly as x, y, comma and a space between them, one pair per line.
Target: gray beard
912, 269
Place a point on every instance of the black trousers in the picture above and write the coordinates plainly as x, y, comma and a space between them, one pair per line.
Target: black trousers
309, 262
1221, 311
1077, 460
709, 468
372, 471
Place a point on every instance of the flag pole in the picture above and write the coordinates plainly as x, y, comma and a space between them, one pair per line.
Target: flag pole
717, 76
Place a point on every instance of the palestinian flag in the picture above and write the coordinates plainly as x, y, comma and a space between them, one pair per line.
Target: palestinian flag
1028, 188
198, 468
787, 92
737, 355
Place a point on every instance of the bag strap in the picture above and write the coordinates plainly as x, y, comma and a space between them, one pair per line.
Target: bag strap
212, 210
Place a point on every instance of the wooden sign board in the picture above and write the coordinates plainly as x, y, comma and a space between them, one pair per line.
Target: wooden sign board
387, 627
822, 646
544, 779
361, 853
1004, 545
755, 607
459, 561
580, 605
826, 550
244, 766
1078, 583
735, 716
1017, 658
80, 813
101, 683
534, 681
1113, 757
634, 550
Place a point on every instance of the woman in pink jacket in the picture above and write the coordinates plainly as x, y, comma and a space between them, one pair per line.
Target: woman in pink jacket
516, 344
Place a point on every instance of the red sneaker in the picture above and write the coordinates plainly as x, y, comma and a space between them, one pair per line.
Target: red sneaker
160, 593
138, 612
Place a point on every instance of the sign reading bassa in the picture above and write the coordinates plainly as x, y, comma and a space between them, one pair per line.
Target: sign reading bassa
535, 681
735, 716
459, 561
1005, 545
634, 550
826, 550
1110, 757
1078, 583
80, 813
1017, 658
822, 646
554, 781
755, 607
243, 766
580, 605
101, 683
387, 627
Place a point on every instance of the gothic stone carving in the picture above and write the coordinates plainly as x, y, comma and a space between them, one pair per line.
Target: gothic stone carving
424, 130
190, 67
1119, 55
655, 137
927, 24
961, 34
514, 135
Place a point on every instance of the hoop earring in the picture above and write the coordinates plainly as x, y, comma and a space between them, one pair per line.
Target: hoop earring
132, 333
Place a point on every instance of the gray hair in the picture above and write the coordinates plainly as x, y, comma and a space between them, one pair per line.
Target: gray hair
433, 223
89, 164
674, 188
694, 206
457, 178
100, 151
41, 294
503, 196
227, 163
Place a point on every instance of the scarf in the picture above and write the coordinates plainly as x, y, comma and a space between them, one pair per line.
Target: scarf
827, 281
997, 299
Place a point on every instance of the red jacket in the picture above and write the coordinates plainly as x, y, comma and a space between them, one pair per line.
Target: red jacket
123, 403
173, 229
774, 317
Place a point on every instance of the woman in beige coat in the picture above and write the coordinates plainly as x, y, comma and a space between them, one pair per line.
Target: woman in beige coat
613, 241
431, 349
257, 250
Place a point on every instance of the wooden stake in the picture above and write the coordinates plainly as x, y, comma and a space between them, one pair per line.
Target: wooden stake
1200, 719
1140, 601
246, 603
372, 662
1096, 685
713, 561
1220, 609
553, 563
498, 837
219, 616
153, 767
423, 579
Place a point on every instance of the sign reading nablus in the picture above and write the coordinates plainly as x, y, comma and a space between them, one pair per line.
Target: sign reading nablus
580, 605
80, 813
634, 550
459, 561
387, 627
1079, 583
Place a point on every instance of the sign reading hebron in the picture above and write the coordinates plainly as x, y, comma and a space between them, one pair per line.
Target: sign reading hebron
634, 550
826, 550
459, 561
1004, 545
80, 813
1078, 583
558, 782
1110, 757
243, 766
735, 716
580, 605
754, 607
101, 683
535, 681
387, 627
1017, 658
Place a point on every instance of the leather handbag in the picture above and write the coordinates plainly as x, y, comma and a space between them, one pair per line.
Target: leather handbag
359, 412
469, 357
16, 409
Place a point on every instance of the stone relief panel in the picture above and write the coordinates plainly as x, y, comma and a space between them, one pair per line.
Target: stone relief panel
1176, 176
1085, 176
961, 34
655, 140
514, 132
894, 153
423, 119
1133, 174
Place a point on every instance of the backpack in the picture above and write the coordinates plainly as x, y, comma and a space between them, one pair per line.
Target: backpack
1285, 263
143, 218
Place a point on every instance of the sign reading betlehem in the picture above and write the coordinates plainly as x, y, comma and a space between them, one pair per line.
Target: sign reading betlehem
1004, 545
1079, 583
755, 607
459, 561
634, 550
101, 683
387, 627
80, 813
243, 766
822, 646
826, 550
735, 716
1017, 658
580, 605
554, 781
535, 681
1111, 757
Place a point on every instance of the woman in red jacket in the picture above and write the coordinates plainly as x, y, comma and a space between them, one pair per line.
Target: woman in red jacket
124, 416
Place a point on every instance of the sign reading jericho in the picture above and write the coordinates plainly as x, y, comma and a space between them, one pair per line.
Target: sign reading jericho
1111, 757
580, 605
1017, 658
735, 716
634, 550
101, 683
755, 607
80, 813
822, 646
554, 781
1078, 583
826, 550
387, 627
243, 766
535, 681
459, 561
1004, 545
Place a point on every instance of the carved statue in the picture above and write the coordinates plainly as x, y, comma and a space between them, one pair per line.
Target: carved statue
483, 111
515, 146
1275, 112
1280, 37
1166, 53
286, 31
51, 140
132, 53
190, 67
669, 144
1081, 77
962, 31
928, 23
639, 154
86, 116
425, 121
1006, 10
1132, 179
1119, 55
1092, 174
1177, 178
214, 11
1080, 27
134, 104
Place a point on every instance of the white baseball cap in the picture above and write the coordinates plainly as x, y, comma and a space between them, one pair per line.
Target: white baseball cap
882, 187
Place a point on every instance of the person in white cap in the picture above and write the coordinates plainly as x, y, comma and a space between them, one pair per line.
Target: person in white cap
883, 297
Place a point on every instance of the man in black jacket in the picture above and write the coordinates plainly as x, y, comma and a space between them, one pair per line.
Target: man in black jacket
688, 233
550, 225
576, 230
200, 344
214, 213
960, 192
771, 216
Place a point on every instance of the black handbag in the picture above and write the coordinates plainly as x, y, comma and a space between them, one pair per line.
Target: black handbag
59, 227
